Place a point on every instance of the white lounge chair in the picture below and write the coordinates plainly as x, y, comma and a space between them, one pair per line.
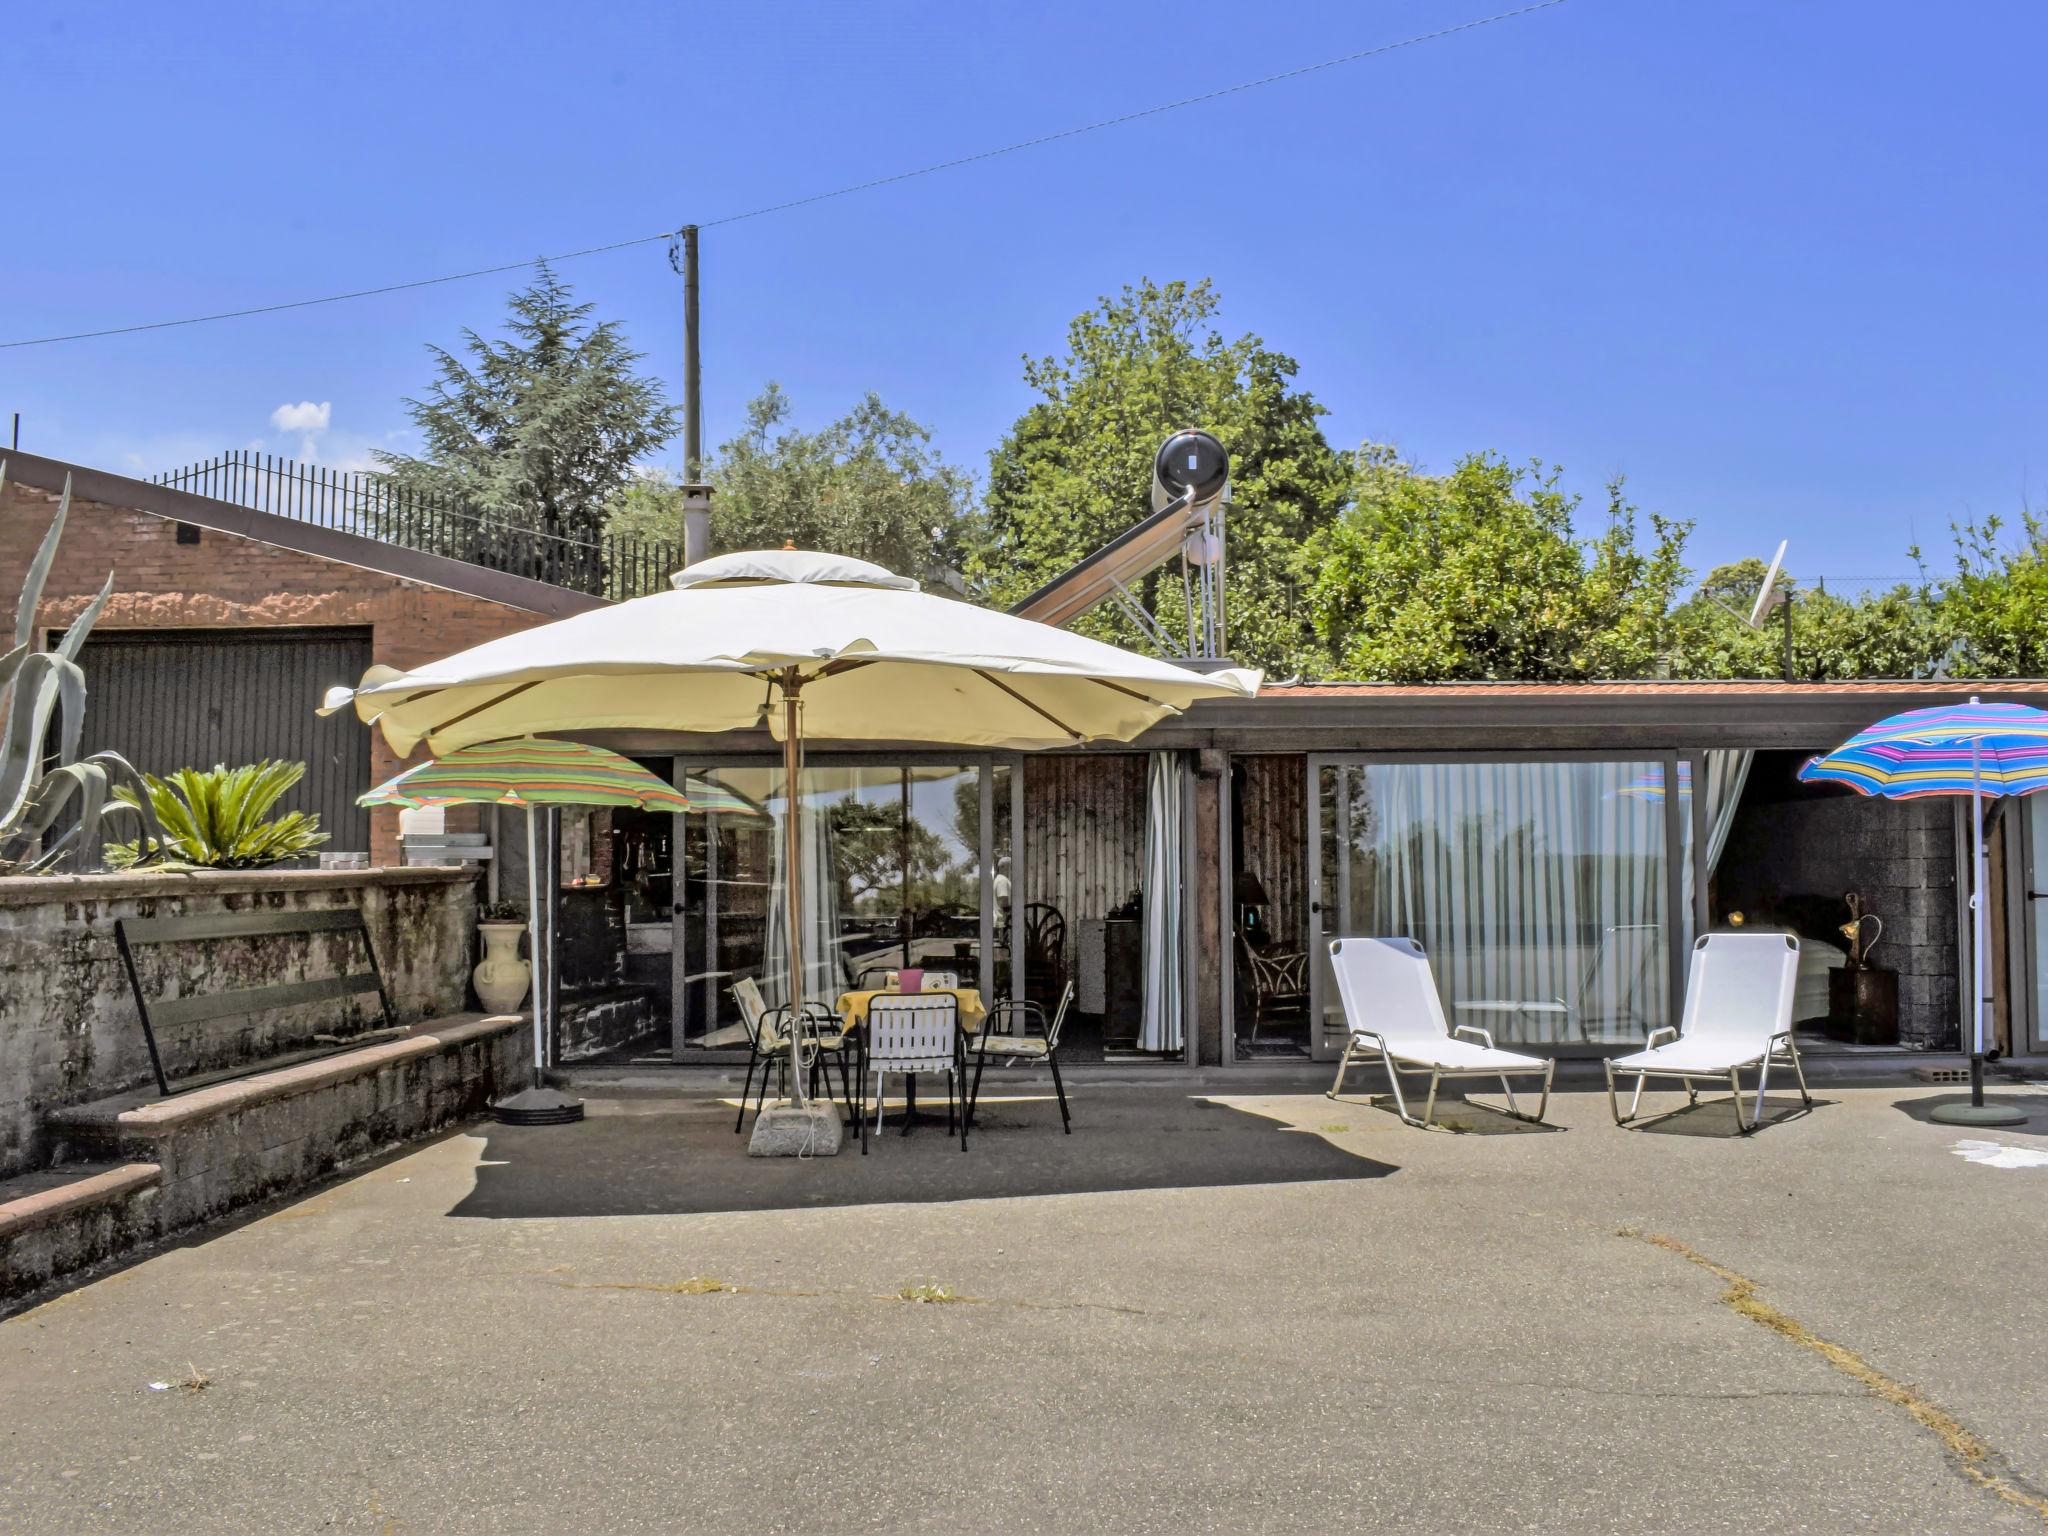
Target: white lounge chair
1391, 1006
1738, 1013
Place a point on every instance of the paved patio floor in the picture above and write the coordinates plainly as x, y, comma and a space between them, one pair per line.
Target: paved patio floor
1246, 1310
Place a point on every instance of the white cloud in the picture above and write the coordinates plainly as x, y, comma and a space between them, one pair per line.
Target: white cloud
304, 417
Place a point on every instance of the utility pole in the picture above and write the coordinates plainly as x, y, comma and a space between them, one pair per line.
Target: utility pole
696, 494
693, 377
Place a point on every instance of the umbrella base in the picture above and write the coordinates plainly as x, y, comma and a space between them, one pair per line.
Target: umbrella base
783, 1130
538, 1106
1977, 1114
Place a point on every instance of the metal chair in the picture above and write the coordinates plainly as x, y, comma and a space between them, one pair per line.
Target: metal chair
817, 1039
1001, 1038
908, 1035
1045, 949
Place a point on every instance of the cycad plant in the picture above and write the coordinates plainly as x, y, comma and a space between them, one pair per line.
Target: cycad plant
215, 819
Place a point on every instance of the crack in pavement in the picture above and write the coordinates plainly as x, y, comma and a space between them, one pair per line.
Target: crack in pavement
915, 1295
1989, 1469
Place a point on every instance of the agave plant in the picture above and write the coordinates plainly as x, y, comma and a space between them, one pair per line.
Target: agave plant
32, 684
215, 819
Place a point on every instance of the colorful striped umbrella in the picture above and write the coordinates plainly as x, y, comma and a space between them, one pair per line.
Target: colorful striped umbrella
534, 771
1986, 750
1975, 749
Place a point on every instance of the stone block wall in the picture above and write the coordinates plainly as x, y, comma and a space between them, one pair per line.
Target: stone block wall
1795, 857
68, 1026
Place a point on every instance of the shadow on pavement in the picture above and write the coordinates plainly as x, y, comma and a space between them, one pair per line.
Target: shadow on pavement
1716, 1116
1467, 1117
637, 1160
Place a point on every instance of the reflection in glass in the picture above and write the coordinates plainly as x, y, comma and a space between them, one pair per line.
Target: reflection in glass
891, 877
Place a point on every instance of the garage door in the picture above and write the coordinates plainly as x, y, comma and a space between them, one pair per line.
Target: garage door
170, 699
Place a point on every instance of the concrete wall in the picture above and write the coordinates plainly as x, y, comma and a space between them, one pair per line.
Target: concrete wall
1792, 858
68, 1027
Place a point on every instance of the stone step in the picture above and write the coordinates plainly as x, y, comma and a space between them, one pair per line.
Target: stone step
229, 1143
70, 1217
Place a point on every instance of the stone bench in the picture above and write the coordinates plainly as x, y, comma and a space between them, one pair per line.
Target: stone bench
69, 1218
249, 1138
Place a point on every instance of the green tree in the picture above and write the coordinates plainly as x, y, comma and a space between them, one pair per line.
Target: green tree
1076, 468
1903, 631
1996, 603
868, 485
538, 429
1479, 574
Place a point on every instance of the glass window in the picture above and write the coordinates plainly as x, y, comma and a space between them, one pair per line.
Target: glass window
1538, 889
891, 877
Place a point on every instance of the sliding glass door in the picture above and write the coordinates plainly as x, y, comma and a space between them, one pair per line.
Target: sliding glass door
1543, 890
900, 861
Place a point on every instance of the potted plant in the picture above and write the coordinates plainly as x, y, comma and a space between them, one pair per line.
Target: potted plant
501, 977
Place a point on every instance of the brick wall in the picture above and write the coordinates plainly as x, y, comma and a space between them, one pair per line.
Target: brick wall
230, 582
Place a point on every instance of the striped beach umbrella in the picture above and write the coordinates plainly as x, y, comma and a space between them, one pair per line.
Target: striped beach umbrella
1981, 750
534, 771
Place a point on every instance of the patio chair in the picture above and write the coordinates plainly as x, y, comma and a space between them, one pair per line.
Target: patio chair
1391, 1006
768, 1036
1005, 1035
907, 1035
1738, 1013
1278, 979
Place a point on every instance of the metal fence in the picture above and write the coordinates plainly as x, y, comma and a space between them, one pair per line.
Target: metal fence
369, 505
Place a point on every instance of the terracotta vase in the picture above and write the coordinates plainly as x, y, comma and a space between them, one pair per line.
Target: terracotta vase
501, 979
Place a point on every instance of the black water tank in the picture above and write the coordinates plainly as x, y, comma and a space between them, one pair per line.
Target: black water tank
1191, 461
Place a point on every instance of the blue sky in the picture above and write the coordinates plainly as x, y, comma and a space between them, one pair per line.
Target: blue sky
1779, 264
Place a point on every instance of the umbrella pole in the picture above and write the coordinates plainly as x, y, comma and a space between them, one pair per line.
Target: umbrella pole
534, 896
792, 834
1977, 905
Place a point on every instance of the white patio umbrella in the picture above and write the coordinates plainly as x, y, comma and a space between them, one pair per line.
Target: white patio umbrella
814, 646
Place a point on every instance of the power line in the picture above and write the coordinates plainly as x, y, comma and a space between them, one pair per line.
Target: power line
804, 202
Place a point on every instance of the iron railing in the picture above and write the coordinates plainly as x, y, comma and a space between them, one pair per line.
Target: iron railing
366, 504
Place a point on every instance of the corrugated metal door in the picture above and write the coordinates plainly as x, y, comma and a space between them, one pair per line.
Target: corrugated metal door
170, 699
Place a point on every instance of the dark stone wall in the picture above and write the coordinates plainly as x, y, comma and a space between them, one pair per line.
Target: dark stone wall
1791, 860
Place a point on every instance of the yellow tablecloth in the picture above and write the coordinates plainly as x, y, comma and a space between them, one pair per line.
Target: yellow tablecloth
853, 1006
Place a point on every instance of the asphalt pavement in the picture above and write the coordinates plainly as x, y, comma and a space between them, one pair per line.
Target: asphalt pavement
1204, 1310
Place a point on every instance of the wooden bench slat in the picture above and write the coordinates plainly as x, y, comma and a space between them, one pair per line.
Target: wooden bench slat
220, 1005
226, 925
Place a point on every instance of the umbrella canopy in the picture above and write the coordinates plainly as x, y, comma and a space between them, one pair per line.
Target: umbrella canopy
809, 644
1952, 749
530, 771
1975, 749
535, 771
874, 658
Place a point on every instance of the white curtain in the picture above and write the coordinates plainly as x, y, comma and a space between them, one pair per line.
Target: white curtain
1538, 886
1160, 1029
824, 977
1727, 772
